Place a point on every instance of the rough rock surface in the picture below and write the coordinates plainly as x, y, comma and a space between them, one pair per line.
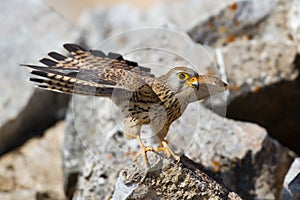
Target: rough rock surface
31, 30
168, 179
282, 24
252, 65
256, 44
271, 20
235, 19
34, 171
254, 34
248, 161
294, 187
265, 67
291, 184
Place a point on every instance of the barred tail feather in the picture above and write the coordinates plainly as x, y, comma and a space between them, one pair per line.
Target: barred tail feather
71, 88
60, 83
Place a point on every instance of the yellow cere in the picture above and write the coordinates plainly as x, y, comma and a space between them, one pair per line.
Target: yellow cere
193, 79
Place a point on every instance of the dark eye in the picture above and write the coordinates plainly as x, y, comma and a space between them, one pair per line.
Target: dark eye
182, 76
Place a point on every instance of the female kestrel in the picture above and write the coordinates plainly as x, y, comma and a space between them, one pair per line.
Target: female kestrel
143, 98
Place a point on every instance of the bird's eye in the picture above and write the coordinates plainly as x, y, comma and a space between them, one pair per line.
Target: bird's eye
182, 76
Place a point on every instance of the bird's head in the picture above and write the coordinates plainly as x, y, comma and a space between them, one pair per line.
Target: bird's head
188, 84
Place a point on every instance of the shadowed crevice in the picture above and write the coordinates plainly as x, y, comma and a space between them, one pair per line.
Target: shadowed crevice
276, 107
42, 111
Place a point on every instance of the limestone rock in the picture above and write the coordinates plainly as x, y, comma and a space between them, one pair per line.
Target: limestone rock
163, 178
282, 24
29, 32
291, 185
294, 187
252, 65
248, 161
34, 171
270, 20
235, 19
254, 33
260, 60
94, 147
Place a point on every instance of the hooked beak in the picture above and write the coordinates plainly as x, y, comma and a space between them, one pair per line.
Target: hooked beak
193, 82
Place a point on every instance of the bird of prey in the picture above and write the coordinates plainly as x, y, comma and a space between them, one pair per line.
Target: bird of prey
142, 97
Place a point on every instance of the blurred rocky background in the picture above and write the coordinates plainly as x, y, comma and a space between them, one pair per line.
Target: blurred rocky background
52, 147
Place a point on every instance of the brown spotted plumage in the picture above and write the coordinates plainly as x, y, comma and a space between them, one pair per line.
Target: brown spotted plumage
143, 98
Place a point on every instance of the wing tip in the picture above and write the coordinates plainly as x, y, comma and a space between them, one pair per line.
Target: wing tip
48, 62
72, 47
36, 80
57, 56
98, 53
116, 56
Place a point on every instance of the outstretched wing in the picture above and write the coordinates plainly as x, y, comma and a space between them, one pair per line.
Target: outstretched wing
90, 73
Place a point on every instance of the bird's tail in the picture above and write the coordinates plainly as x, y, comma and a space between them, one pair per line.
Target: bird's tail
57, 82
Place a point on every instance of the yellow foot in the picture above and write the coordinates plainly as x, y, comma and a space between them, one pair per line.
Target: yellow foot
143, 152
167, 151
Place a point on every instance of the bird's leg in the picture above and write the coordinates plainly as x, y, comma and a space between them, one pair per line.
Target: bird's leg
167, 150
143, 151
